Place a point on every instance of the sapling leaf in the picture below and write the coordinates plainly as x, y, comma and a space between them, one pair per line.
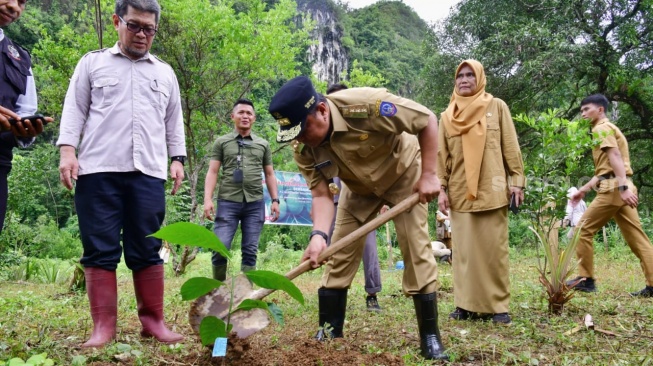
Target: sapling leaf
198, 286
187, 233
212, 328
37, 359
275, 312
249, 304
275, 281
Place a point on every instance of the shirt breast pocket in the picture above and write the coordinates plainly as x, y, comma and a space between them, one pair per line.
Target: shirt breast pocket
159, 94
106, 89
255, 155
493, 136
369, 144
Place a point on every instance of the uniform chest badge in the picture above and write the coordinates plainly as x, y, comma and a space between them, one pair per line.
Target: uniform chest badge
13, 52
355, 111
488, 114
387, 109
364, 137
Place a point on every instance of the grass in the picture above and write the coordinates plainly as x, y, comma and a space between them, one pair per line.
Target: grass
37, 318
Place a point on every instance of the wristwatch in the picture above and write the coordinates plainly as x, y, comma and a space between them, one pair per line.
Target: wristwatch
318, 232
623, 188
180, 158
275, 200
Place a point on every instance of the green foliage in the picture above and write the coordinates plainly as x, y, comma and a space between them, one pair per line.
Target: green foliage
212, 328
34, 187
189, 234
271, 280
359, 77
554, 157
58, 51
10, 258
50, 271
385, 40
198, 286
36, 360
42, 239
518, 232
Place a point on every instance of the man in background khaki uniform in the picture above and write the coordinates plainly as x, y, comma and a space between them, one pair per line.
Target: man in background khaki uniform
616, 198
358, 135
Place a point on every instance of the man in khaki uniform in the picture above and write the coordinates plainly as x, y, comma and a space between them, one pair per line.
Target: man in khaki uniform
616, 198
480, 167
358, 135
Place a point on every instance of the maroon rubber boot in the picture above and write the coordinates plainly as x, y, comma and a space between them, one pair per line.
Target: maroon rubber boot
102, 293
148, 285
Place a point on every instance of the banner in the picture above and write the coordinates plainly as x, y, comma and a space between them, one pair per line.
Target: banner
294, 200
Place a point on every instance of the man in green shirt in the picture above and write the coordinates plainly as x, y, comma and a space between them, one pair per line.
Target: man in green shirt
242, 155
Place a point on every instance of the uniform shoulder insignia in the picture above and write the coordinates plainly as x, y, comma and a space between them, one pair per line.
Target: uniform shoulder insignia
387, 109
158, 58
355, 111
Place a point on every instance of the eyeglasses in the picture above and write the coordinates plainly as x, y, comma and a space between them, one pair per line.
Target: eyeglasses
135, 28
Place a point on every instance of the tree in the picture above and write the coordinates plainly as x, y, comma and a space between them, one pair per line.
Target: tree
219, 55
386, 39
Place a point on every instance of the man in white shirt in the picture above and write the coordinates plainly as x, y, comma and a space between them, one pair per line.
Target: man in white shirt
124, 105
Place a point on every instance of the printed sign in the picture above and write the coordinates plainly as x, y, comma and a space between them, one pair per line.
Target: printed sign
295, 200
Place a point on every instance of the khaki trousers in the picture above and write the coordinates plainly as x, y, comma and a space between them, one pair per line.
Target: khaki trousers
420, 268
605, 206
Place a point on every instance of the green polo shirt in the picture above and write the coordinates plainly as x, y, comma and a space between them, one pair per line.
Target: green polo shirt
255, 153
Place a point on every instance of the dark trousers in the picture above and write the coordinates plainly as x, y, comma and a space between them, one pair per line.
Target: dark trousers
251, 216
4, 194
108, 203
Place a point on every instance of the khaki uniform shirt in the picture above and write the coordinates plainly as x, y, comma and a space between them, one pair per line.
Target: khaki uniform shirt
368, 149
502, 164
127, 114
255, 155
609, 136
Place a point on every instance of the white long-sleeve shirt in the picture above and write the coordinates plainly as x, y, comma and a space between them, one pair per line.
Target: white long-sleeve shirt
127, 114
574, 213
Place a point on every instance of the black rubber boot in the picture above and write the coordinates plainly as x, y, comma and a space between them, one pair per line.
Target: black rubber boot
332, 307
220, 272
426, 308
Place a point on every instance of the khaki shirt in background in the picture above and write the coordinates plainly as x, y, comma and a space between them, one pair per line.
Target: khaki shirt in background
256, 155
369, 152
609, 136
502, 164
126, 113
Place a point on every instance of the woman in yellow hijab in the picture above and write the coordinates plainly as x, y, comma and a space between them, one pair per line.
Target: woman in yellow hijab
480, 167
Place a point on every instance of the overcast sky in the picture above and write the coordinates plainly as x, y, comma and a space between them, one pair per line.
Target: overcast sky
429, 10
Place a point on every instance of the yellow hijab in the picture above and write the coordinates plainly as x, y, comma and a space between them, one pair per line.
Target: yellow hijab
466, 116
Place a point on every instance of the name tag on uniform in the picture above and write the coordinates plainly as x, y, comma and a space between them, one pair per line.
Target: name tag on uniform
355, 111
323, 164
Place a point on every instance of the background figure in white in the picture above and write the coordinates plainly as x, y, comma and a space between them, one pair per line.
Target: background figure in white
573, 212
